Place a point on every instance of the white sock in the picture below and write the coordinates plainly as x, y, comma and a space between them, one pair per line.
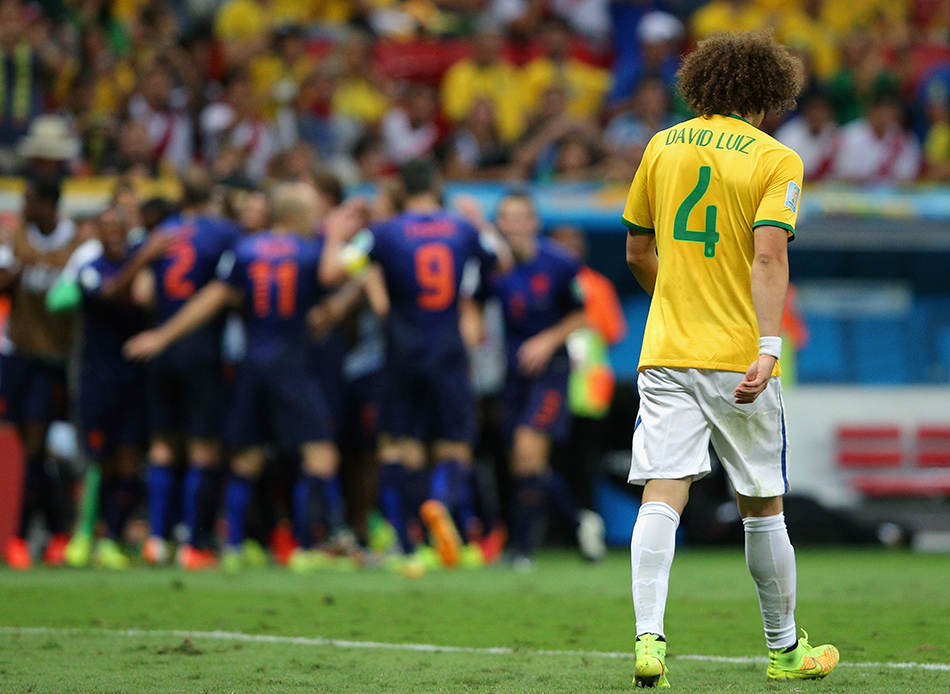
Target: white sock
771, 561
651, 555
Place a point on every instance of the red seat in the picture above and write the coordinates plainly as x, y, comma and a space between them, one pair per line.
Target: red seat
870, 446
933, 445
902, 485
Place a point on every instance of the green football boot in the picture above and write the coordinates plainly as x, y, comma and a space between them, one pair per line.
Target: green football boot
253, 555
109, 555
650, 670
806, 662
79, 550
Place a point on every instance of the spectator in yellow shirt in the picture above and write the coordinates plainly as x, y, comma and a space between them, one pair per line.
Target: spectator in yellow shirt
937, 142
727, 15
585, 84
244, 26
487, 74
278, 74
362, 95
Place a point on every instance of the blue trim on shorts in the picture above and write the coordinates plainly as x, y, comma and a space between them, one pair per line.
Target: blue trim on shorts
637, 423
781, 405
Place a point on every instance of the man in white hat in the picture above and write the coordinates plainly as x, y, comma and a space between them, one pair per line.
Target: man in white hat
49, 147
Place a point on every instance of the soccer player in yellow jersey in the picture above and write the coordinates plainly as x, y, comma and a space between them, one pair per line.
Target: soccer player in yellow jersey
710, 213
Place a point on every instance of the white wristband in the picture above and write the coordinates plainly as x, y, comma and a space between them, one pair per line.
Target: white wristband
771, 346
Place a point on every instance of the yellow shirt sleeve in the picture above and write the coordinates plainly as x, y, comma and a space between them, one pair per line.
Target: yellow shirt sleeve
637, 213
782, 195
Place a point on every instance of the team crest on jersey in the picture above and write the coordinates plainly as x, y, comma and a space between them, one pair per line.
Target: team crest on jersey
540, 284
792, 195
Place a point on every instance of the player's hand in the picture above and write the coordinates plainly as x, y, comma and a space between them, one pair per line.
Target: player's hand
144, 346
344, 221
756, 379
535, 355
471, 209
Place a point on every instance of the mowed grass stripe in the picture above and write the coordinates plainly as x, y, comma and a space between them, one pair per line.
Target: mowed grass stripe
415, 647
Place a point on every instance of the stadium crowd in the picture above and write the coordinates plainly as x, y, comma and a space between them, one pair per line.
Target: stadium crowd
215, 314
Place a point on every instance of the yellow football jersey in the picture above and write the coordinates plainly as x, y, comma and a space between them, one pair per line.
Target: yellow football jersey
702, 187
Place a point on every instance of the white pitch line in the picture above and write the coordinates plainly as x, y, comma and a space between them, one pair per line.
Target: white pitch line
415, 647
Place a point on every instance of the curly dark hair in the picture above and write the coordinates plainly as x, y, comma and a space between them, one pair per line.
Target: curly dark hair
743, 72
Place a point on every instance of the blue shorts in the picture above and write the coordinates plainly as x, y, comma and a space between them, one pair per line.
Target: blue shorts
31, 390
111, 410
327, 361
432, 405
186, 397
538, 403
278, 406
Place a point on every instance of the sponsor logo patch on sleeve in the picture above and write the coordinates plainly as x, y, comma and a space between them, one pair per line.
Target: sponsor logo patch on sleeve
792, 194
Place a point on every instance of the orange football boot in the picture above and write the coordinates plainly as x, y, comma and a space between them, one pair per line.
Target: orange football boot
17, 554
445, 536
55, 554
192, 559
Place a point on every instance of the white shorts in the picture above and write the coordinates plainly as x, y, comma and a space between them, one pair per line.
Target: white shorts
683, 411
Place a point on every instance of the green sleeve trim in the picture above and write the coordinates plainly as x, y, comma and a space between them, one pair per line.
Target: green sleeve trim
772, 223
636, 228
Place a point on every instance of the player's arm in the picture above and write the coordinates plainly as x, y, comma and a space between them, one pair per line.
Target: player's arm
535, 354
769, 287
346, 249
773, 228
326, 315
642, 260
490, 239
641, 234
118, 287
208, 302
374, 286
471, 322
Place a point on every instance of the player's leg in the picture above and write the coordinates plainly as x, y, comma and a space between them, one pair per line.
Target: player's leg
202, 405
13, 386
670, 450
752, 449
403, 479
160, 490
199, 503
452, 485
529, 460
44, 396
301, 419
246, 467
452, 413
451, 506
119, 494
160, 481
318, 498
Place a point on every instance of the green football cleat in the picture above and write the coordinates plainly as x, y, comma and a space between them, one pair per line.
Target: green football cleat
232, 560
650, 670
109, 555
253, 555
472, 557
79, 550
806, 662
304, 561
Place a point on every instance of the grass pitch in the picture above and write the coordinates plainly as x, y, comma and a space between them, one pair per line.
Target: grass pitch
567, 627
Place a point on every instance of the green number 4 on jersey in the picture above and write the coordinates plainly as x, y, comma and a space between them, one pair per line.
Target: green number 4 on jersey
708, 236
